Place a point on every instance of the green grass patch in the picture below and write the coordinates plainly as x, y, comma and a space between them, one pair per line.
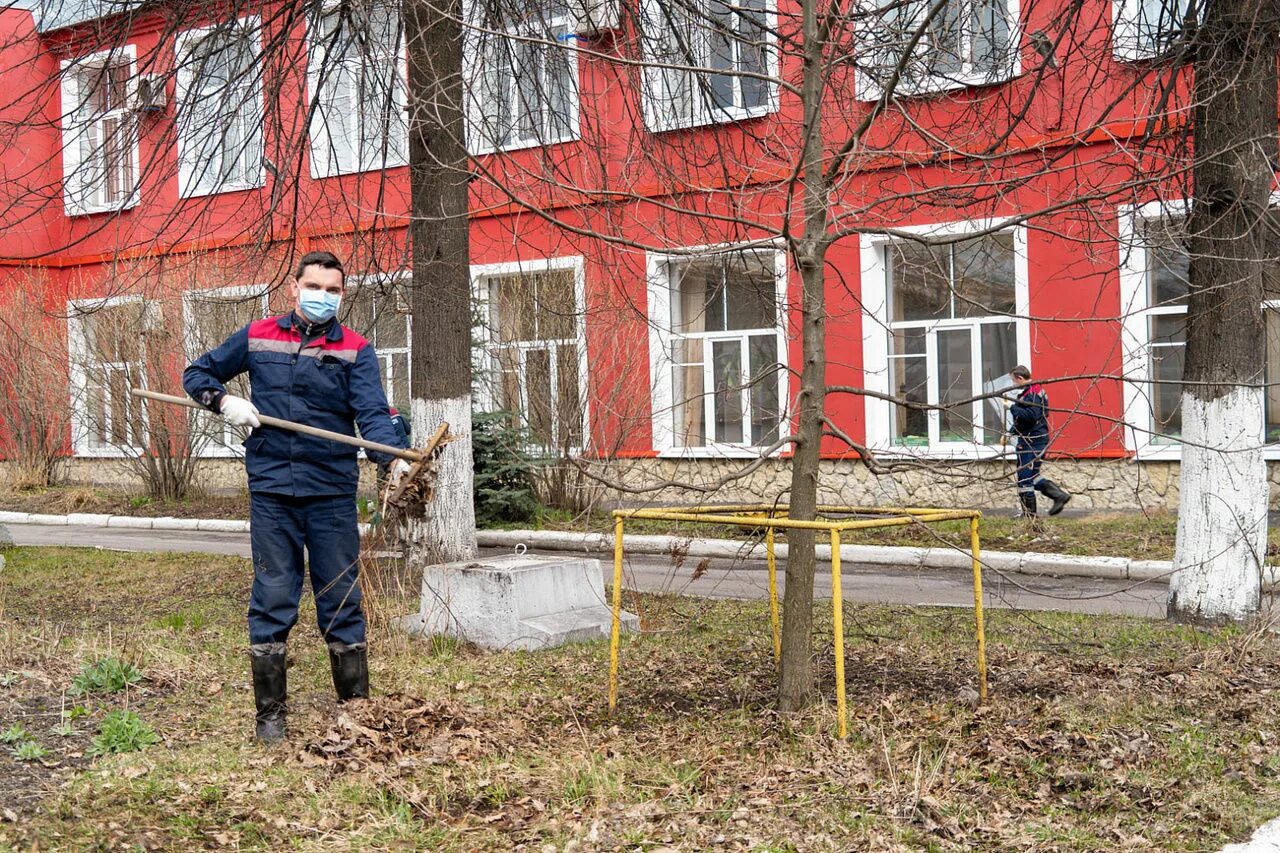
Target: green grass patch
14, 734
105, 675
122, 731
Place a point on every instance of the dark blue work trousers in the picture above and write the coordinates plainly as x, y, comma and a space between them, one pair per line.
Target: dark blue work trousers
1030, 455
279, 527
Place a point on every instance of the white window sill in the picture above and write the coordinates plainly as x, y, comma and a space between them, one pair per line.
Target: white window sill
712, 119
1173, 453
870, 91
522, 145
108, 452
223, 189
944, 451
321, 174
221, 453
715, 452
81, 210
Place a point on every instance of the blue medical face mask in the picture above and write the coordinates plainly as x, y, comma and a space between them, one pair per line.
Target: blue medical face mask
318, 305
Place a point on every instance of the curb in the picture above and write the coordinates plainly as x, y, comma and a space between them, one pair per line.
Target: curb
895, 556
164, 522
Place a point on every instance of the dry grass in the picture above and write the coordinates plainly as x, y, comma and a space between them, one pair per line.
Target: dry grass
1104, 734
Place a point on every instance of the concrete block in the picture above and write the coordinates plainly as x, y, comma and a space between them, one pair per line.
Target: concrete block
1001, 561
166, 522
1150, 570
129, 521
222, 525
947, 558
37, 518
897, 557
6, 538
1065, 564
517, 602
15, 517
88, 519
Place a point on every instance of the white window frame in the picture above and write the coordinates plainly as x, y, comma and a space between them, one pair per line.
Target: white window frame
868, 89
357, 283
485, 362
78, 357
475, 38
658, 116
229, 448
321, 151
189, 185
661, 336
73, 192
1135, 313
1128, 41
876, 335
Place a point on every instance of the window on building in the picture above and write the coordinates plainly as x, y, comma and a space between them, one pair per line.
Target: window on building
219, 109
1167, 284
720, 351
211, 317
952, 335
99, 133
379, 311
108, 351
356, 74
535, 352
706, 61
1145, 29
524, 76
960, 43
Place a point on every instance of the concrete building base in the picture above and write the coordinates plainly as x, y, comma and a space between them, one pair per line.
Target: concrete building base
516, 602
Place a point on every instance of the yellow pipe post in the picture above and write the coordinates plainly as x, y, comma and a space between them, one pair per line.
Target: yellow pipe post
773, 596
977, 609
837, 616
617, 613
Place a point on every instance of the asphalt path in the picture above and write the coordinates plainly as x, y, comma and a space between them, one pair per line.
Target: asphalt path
720, 578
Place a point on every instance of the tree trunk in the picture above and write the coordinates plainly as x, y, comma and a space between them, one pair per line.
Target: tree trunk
441, 289
795, 674
1222, 516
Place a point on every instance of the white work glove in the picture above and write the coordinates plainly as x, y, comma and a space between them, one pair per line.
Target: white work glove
396, 473
240, 412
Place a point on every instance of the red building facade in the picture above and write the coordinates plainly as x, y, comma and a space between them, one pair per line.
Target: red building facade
636, 212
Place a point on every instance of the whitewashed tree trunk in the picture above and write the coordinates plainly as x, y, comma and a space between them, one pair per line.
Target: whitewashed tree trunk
448, 533
1222, 515
1222, 523
441, 290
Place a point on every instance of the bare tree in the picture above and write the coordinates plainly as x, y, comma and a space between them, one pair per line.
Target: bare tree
441, 295
1222, 520
34, 411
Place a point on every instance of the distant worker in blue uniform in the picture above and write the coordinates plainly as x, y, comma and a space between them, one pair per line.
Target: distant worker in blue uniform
1029, 417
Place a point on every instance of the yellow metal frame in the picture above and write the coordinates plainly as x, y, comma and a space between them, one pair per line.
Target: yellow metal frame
772, 517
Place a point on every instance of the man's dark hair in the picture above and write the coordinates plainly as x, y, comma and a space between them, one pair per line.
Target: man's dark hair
324, 260
1021, 371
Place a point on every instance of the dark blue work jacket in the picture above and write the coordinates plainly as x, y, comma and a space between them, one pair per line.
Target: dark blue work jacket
1030, 413
331, 383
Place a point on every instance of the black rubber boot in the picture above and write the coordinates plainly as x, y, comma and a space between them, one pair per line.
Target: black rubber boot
1028, 504
1055, 493
269, 691
350, 667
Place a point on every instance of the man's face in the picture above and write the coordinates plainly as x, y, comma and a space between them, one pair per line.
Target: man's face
315, 277
1020, 380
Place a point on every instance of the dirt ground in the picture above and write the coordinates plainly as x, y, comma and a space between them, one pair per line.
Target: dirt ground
1101, 734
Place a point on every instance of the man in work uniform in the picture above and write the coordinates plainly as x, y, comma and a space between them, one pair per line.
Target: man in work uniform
308, 368
1030, 416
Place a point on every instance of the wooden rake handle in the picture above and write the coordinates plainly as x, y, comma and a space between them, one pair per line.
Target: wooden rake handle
266, 420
